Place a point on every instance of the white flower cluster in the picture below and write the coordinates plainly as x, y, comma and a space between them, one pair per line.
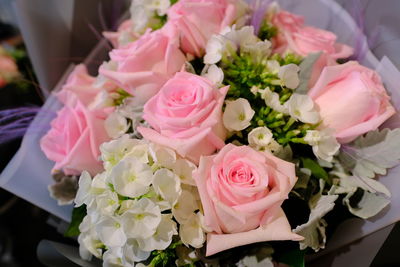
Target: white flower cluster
324, 143
143, 13
133, 207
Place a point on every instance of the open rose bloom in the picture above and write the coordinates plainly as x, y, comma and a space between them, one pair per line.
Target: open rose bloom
219, 124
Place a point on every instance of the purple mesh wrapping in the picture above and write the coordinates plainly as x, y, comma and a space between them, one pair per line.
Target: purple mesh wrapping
15, 122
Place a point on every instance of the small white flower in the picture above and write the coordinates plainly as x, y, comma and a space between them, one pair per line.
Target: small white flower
162, 237
214, 50
107, 203
89, 244
114, 151
273, 66
213, 73
102, 100
168, 185
258, 51
272, 100
131, 177
260, 137
191, 232
184, 169
99, 184
83, 195
132, 253
111, 232
301, 107
289, 75
163, 157
237, 114
324, 143
116, 125
142, 220
113, 257
185, 207
243, 37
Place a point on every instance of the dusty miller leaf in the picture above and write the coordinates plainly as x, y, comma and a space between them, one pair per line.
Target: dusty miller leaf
306, 68
369, 205
314, 230
373, 153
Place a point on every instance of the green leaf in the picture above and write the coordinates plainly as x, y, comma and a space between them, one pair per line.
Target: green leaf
373, 153
316, 170
293, 258
314, 230
77, 217
306, 68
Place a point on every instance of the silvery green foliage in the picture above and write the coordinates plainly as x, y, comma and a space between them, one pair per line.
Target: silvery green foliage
314, 230
373, 153
306, 68
369, 205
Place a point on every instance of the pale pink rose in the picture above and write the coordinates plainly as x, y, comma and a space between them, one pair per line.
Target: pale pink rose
123, 35
198, 20
8, 68
74, 139
351, 100
186, 115
145, 65
242, 191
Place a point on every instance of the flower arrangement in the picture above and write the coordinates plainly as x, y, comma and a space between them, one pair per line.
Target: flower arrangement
216, 125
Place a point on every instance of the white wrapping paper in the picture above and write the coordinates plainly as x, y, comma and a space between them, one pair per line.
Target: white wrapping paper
28, 174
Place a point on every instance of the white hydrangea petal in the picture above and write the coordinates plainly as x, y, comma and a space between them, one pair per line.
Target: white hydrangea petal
131, 177
162, 237
83, 195
184, 169
214, 50
116, 125
89, 244
114, 151
273, 66
191, 232
214, 74
142, 220
260, 137
167, 184
111, 232
185, 207
301, 107
107, 203
272, 100
132, 253
113, 258
289, 75
99, 184
324, 143
237, 114
164, 157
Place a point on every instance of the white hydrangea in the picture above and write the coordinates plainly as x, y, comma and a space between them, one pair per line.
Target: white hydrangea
111, 232
113, 257
131, 177
83, 195
116, 125
324, 143
132, 253
162, 237
289, 75
184, 169
167, 185
272, 100
302, 108
260, 137
142, 219
237, 114
213, 73
185, 207
144, 11
114, 151
191, 232
107, 203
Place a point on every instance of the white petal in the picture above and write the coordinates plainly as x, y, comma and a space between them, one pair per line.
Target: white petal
237, 114
289, 75
260, 137
301, 107
116, 125
83, 194
107, 203
184, 169
168, 185
113, 257
191, 232
132, 253
142, 220
214, 74
185, 207
111, 232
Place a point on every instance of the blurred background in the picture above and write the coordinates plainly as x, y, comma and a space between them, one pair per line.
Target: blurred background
39, 39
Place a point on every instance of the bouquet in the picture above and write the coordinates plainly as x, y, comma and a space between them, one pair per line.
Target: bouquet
219, 133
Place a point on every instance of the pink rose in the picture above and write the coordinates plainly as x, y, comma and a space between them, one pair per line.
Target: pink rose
74, 139
198, 20
242, 191
295, 36
145, 65
351, 100
186, 115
